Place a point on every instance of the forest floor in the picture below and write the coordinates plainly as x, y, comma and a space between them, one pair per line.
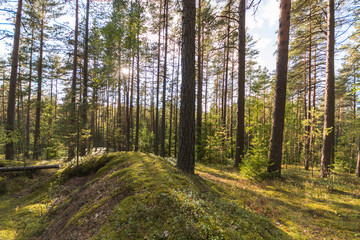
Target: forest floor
141, 196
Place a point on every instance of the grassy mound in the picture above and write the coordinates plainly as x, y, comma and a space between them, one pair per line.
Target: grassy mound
137, 196
141, 196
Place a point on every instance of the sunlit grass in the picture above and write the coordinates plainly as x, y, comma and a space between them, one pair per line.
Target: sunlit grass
302, 204
137, 195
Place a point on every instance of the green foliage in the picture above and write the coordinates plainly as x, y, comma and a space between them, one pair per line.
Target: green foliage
10, 163
255, 163
3, 187
146, 138
2, 139
216, 146
347, 146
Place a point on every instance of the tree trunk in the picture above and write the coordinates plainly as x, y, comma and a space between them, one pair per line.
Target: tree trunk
329, 115
156, 143
118, 140
107, 118
226, 77
137, 100
131, 119
27, 141
84, 114
171, 106
37, 150
3, 97
313, 120
358, 163
240, 131
9, 148
277, 126
163, 117
71, 150
308, 124
27, 168
177, 104
126, 89
232, 110
186, 157
200, 85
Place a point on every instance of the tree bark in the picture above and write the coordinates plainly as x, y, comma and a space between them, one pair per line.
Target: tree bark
171, 106
14, 169
226, 75
308, 129
156, 129
277, 126
27, 141
131, 117
118, 140
177, 104
240, 131
200, 85
329, 115
71, 150
84, 114
37, 150
9, 148
358, 163
137, 100
186, 156
163, 117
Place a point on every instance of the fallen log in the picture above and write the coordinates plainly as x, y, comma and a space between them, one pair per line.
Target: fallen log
14, 169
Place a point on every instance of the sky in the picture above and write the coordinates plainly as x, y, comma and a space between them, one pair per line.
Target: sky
263, 26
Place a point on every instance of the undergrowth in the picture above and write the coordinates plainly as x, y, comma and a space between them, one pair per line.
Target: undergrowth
131, 195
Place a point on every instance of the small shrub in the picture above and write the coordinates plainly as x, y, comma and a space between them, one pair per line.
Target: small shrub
3, 187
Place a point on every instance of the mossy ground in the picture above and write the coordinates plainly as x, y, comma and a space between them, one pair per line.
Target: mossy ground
141, 196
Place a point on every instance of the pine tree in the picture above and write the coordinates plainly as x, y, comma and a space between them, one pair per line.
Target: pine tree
186, 155
277, 127
9, 149
327, 151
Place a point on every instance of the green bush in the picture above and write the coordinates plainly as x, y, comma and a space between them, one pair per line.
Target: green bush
3, 187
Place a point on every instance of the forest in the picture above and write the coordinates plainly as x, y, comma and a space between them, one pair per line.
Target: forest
158, 119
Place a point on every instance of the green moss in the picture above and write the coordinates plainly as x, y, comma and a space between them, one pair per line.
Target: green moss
3, 187
166, 199
87, 209
141, 196
10, 163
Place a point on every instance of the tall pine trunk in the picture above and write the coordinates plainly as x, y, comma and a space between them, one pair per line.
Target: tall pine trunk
9, 148
240, 131
186, 156
171, 106
137, 99
72, 144
308, 123
27, 141
177, 104
37, 150
329, 115
200, 86
163, 118
84, 113
277, 126
156, 128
